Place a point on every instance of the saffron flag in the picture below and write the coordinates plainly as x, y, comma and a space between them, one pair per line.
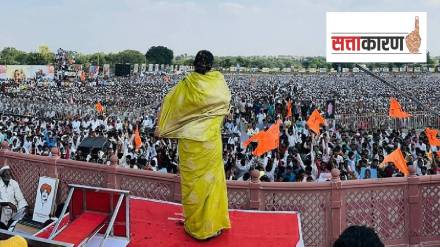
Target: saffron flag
314, 121
396, 157
267, 140
137, 139
99, 108
432, 137
396, 111
289, 108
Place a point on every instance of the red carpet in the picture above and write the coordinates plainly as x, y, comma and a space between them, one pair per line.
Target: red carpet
82, 227
150, 226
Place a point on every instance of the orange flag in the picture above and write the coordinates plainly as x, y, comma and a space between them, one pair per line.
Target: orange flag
314, 121
99, 108
289, 108
396, 111
267, 140
396, 157
137, 139
432, 137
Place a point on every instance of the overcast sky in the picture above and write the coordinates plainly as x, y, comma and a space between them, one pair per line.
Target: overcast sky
245, 27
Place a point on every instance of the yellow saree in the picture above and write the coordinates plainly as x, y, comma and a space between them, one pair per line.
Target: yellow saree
193, 112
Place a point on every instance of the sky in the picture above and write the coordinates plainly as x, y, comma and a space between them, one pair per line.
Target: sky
227, 28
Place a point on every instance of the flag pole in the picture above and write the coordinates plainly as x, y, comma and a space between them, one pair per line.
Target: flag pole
406, 94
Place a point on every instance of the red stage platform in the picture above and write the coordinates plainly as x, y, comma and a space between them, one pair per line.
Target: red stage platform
155, 223
151, 226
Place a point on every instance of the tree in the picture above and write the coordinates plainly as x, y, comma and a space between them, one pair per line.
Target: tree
12, 56
35, 58
130, 56
81, 58
428, 59
159, 55
46, 55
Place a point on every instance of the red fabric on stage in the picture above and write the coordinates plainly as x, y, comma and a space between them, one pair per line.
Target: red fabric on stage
99, 202
151, 226
81, 228
48, 230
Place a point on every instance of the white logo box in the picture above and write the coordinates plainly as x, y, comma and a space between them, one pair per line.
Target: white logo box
387, 26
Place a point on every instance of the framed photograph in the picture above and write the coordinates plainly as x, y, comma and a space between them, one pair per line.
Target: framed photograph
45, 201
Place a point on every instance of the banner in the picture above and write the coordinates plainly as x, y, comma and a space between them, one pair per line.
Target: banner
2, 71
150, 67
156, 67
330, 109
143, 67
93, 71
78, 68
106, 70
23, 72
45, 200
376, 37
135, 68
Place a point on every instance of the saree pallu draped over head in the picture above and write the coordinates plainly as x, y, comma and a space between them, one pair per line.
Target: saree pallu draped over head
193, 113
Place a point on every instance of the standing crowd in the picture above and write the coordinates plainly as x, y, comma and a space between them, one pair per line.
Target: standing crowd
37, 116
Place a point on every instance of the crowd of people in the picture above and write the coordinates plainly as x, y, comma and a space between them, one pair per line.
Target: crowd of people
37, 116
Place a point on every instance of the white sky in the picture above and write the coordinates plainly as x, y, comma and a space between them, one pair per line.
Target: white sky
245, 27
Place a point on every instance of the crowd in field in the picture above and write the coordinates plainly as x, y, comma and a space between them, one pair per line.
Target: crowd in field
37, 116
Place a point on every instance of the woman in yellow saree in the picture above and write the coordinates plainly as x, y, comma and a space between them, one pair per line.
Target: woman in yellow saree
193, 113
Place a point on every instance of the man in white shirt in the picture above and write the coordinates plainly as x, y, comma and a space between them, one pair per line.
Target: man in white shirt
12, 202
76, 125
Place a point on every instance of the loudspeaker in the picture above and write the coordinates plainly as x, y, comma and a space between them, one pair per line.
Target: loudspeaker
122, 69
94, 143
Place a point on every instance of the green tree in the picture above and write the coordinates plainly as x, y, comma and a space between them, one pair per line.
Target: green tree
129, 56
12, 56
159, 55
82, 58
46, 55
429, 59
98, 58
35, 58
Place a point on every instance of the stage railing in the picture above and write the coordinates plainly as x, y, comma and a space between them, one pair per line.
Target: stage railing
403, 211
418, 120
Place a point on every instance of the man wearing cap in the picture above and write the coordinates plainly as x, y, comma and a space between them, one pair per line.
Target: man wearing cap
12, 202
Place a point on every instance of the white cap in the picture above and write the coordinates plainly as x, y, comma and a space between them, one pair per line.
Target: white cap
4, 168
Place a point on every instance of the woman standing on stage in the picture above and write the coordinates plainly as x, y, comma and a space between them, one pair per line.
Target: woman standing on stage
193, 113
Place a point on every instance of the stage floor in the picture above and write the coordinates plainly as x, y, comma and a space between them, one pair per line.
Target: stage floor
153, 224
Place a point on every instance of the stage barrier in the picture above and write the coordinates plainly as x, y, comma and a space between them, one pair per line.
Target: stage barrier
403, 211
